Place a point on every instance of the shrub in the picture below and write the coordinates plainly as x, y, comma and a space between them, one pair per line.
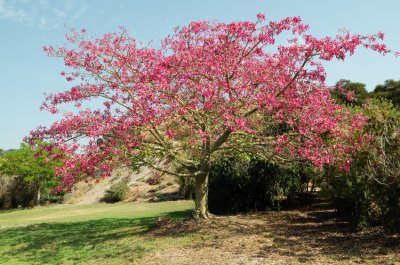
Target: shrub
117, 192
370, 192
352, 195
16, 192
244, 183
49, 196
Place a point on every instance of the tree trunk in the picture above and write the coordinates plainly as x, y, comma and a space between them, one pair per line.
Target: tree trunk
201, 197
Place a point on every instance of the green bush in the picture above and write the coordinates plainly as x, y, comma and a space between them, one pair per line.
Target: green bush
352, 194
117, 192
360, 199
48, 196
16, 192
30, 176
244, 183
370, 192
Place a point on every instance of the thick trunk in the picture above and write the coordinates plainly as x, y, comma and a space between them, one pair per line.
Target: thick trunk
201, 197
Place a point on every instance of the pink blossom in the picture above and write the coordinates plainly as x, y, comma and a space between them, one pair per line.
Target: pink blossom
260, 17
208, 83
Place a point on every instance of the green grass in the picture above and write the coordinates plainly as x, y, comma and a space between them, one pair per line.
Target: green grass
86, 234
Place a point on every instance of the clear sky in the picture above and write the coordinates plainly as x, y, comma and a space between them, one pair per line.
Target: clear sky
26, 73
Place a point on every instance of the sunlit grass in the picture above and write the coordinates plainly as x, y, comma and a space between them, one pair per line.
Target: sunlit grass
86, 234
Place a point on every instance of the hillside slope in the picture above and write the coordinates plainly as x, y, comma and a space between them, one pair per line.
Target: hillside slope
92, 191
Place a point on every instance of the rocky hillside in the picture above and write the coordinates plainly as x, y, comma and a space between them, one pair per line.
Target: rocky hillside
144, 185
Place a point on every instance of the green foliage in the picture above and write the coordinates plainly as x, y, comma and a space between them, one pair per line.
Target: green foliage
352, 194
389, 90
344, 86
117, 192
36, 170
48, 196
31, 164
370, 192
245, 183
3, 152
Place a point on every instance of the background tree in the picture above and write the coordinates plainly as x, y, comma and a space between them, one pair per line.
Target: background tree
389, 90
211, 88
33, 166
350, 93
2, 151
370, 192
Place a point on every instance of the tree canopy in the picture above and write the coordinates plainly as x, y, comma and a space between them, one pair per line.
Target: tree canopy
350, 93
389, 90
34, 165
211, 88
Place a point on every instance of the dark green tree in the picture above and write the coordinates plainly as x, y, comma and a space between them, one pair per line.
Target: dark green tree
389, 90
350, 93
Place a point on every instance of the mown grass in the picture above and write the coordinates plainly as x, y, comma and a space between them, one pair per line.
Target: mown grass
86, 234
123, 234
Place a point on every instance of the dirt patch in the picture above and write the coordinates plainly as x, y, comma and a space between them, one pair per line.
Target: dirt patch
306, 236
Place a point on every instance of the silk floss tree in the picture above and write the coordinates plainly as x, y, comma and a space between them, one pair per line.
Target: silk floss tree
210, 89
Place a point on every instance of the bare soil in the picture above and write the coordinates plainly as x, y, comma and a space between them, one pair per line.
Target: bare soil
310, 235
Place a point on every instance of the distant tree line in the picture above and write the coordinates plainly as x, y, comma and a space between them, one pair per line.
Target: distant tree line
3, 152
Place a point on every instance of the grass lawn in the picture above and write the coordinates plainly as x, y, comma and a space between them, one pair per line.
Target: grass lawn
125, 234
86, 234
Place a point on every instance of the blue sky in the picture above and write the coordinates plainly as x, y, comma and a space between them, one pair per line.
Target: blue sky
26, 73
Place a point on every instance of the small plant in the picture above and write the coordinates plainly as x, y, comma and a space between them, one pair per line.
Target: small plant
51, 196
117, 192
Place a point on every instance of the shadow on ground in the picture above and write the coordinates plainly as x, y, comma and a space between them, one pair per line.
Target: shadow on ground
54, 243
307, 235
314, 232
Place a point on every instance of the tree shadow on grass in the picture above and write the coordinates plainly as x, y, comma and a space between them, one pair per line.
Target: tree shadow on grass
55, 243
